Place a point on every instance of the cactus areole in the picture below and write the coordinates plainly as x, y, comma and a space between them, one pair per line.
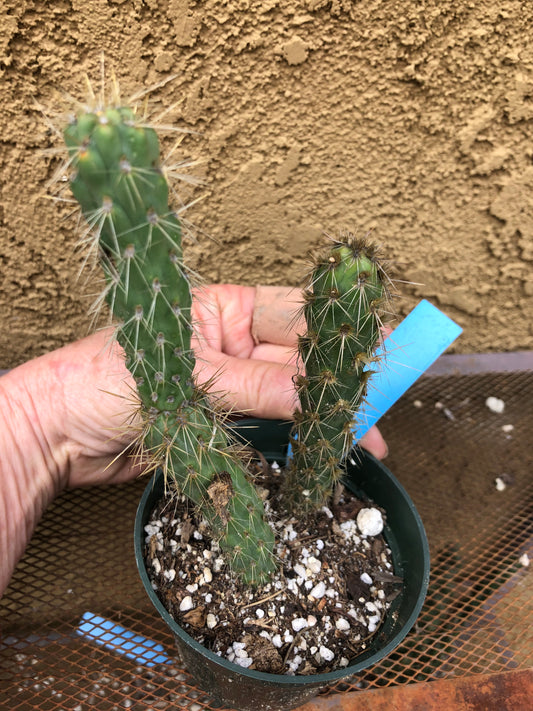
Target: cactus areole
123, 193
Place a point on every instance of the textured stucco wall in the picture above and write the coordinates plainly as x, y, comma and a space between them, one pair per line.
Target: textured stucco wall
410, 118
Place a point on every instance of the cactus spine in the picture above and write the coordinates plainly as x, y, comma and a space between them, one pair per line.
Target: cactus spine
345, 294
123, 195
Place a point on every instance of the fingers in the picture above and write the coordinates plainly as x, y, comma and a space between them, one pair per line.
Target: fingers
235, 319
374, 443
222, 317
284, 355
277, 315
260, 385
259, 388
265, 389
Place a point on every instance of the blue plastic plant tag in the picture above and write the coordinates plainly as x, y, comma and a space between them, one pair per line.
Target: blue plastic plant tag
408, 352
118, 639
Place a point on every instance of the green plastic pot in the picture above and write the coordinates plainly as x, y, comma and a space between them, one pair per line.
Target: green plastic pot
249, 690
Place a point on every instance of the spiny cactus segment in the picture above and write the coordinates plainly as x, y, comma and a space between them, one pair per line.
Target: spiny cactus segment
344, 298
123, 193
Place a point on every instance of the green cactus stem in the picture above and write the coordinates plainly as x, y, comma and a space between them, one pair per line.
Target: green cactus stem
343, 302
123, 193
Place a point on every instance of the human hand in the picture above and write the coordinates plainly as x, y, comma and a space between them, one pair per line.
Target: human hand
82, 396
246, 341
68, 418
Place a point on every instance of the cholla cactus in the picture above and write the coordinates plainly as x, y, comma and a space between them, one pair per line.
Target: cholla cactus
123, 193
344, 301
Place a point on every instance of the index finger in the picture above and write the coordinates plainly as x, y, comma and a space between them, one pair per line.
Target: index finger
277, 316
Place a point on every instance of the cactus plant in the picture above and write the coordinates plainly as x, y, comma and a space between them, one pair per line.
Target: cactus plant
122, 189
123, 193
344, 300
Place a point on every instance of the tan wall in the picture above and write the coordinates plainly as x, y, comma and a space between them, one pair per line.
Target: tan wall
414, 119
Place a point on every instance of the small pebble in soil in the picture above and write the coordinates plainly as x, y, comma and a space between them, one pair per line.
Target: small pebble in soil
186, 604
503, 481
494, 404
524, 560
500, 484
370, 522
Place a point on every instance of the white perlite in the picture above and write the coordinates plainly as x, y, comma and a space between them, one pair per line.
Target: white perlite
370, 522
300, 570
326, 654
237, 654
314, 565
350, 530
299, 624
495, 405
152, 529
318, 591
186, 603
342, 624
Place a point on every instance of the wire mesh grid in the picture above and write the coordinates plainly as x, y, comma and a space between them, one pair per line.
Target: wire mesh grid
468, 471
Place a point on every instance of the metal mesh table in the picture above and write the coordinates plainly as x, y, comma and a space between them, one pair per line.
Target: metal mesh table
447, 448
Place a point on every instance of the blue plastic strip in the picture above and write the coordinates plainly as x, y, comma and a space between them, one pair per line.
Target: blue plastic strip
118, 639
408, 352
